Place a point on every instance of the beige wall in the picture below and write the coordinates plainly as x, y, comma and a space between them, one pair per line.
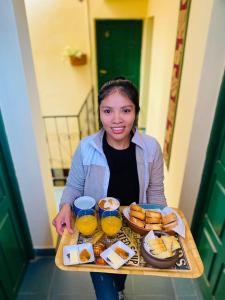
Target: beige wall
164, 34
53, 25
165, 18
20, 109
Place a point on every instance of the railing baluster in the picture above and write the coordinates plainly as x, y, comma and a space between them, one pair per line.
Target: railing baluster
58, 139
69, 136
90, 129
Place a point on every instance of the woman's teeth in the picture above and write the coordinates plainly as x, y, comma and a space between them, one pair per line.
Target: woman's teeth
118, 129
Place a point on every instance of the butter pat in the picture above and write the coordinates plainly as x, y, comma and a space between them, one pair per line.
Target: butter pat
115, 259
74, 259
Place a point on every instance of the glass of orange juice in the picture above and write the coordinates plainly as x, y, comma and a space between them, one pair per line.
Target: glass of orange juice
86, 223
111, 222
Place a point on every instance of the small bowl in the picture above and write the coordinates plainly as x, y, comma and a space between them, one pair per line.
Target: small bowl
160, 263
101, 210
83, 203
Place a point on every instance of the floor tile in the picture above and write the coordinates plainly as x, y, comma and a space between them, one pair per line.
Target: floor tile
129, 285
38, 296
197, 289
71, 297
183, 286
149, 285
187, 298
38, 275
152, 297
71, 283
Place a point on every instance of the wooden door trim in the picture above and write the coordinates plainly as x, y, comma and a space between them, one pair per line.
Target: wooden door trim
212, 150
15, 193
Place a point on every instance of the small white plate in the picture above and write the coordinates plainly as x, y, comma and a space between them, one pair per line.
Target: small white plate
78, 248
122, 261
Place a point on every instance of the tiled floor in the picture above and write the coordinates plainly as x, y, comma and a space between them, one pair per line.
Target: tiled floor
43, 281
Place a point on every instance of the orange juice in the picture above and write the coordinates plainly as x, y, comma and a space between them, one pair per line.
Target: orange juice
86, 224
111, 225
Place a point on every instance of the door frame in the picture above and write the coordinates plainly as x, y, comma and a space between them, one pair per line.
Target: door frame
212, 148
16, 197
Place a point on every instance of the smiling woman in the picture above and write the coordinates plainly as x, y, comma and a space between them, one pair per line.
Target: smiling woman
116, 162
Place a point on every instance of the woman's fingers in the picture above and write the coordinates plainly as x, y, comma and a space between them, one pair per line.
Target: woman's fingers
59, 226
68, 223
63, 219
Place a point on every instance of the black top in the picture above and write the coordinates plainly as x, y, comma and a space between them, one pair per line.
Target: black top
123, 181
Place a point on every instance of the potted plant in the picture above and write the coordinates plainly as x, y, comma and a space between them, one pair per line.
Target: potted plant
76, 56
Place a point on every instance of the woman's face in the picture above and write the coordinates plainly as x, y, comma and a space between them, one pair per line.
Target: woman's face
117, 114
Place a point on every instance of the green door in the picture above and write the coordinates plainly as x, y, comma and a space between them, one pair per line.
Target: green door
15, 244
209, 218
118, 49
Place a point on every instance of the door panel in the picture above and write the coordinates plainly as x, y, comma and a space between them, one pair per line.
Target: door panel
220, 289
13, 246
118, 49
207, 251
211, 228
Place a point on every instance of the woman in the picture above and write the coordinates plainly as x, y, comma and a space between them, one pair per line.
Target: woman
118, 162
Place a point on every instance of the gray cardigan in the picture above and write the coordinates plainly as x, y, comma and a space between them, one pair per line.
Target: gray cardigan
89, 173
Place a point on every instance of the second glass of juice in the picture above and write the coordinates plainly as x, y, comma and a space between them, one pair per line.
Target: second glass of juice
111, 222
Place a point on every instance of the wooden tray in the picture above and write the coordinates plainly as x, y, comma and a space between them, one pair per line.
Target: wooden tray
194, 261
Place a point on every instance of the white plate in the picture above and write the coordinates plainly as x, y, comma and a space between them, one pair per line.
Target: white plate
122, 261
79, 248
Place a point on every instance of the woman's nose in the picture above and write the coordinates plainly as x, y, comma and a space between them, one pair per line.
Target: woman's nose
117, 117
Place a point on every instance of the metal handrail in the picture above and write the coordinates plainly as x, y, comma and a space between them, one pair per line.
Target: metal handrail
63, 132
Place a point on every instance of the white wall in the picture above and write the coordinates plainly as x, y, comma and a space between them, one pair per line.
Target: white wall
207, 95
22, 119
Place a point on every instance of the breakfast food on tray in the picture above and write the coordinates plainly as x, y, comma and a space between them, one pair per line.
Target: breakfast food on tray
115, 259
171, 242
147, 219
96, 237
137, 222
108, 203
85, 255
136, 207
98, 248
153, 227
121, 252
137, 214
73, 256
169, 221
163, 247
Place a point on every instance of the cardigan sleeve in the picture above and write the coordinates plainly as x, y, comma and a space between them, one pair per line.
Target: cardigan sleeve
74, 187
155, 191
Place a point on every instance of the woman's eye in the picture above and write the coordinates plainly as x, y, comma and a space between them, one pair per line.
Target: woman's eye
126, 110
107, 111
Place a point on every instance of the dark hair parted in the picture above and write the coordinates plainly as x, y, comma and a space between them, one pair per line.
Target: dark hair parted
123, 86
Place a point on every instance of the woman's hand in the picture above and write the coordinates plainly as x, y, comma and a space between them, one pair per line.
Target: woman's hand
63, 219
